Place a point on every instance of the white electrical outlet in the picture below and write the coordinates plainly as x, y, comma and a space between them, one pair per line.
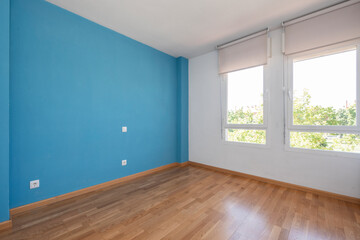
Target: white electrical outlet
123, 162
34, 184
124, 129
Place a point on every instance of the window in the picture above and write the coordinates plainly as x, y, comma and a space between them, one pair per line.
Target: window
243, 106
323, 101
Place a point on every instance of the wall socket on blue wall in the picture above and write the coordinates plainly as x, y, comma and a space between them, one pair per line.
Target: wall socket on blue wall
34, 184
124, 162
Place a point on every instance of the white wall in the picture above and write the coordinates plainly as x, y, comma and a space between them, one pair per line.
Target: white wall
316, 170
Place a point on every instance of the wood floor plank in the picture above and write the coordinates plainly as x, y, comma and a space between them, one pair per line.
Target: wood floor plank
190, 203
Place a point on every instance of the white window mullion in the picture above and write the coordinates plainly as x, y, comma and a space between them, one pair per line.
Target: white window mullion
245, 126
323, 130
289, 93
358, 87
223, 104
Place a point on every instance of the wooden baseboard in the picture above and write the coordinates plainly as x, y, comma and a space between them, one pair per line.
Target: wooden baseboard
25, 208
280, 183
184, 164
65, 196
5, 225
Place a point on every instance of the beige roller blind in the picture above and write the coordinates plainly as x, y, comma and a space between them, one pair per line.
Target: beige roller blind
336, 26
248, 52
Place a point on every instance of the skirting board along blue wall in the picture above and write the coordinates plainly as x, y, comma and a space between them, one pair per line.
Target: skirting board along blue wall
74, 84
4, 108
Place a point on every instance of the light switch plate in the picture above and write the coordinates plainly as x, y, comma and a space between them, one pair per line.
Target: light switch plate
123, 162
124, 129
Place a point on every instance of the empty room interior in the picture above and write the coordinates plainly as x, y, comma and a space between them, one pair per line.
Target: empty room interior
163, 119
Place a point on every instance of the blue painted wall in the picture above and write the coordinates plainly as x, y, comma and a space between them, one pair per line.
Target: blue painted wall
183, 109
73, 85
4, 109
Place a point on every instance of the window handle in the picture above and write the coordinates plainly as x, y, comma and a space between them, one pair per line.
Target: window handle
267, 95
223, 128
290, 95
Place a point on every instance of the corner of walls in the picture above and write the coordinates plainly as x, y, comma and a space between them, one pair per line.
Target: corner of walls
182, 67
4, 108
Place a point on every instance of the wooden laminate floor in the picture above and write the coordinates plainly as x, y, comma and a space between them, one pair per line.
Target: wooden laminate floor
191, 203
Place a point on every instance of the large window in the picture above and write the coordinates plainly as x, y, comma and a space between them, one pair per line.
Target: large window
243, 106
323, 100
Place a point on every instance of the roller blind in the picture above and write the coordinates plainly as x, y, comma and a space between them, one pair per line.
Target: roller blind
336, 26
244, 53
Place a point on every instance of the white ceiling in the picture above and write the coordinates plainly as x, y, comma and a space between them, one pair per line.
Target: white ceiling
189, 28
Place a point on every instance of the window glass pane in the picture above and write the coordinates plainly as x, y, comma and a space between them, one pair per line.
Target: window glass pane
245, 96
246, 136
325, 90
326, 141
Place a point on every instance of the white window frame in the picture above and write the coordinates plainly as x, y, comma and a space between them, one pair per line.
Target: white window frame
288, 95
224, 107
